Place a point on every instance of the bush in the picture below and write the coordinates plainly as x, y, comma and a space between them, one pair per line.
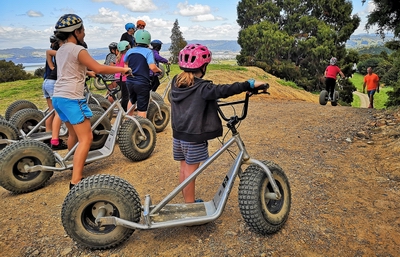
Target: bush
10, 71
39, 72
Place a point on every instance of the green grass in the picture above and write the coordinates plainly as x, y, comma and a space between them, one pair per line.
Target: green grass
379, 98
289, 84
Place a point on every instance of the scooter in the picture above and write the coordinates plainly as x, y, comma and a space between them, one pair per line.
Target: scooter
102, 211
324, 98
27, 165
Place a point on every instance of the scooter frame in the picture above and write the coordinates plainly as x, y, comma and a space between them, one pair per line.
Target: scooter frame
77, 206
27, 165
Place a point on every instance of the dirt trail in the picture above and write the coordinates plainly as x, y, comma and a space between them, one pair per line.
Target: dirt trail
364, 100
343, 169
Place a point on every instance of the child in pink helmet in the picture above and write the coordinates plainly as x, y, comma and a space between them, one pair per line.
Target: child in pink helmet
194, 115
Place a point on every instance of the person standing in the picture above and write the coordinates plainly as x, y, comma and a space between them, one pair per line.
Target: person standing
123, 47
194, 111
371, 81
330, 74
128, 35
156, 46
73, 60
141, 60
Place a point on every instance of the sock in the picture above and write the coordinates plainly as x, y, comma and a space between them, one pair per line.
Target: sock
54, 141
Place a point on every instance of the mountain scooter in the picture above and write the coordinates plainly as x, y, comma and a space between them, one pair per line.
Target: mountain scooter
27, 165
102, 211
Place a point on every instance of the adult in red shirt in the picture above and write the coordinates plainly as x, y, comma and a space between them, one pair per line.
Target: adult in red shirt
371, 81
331, 73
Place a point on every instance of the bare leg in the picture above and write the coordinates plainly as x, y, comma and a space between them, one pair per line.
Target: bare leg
72, 138
85, 138
189, 191
56, 126
49, 121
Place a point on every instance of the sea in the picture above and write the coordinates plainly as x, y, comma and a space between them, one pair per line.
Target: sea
29, 67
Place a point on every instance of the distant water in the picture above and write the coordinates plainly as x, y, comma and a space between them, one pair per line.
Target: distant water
32, 66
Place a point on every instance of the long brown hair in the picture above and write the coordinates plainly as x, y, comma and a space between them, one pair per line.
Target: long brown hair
185, 79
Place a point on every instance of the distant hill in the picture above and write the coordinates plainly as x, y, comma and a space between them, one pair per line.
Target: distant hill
222, 49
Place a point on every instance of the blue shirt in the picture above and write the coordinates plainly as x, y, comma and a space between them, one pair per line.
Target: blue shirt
138, 59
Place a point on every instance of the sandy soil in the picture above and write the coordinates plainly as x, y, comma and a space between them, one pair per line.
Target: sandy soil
342, 164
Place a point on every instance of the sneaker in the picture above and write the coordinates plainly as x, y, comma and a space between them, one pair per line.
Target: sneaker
61, 146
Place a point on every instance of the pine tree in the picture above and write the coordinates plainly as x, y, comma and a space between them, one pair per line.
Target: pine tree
177, 42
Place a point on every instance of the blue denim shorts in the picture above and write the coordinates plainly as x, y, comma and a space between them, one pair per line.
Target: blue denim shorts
48, 87
371, 92
191, 152
74, 111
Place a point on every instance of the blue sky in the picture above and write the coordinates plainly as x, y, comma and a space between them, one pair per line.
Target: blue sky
31, 22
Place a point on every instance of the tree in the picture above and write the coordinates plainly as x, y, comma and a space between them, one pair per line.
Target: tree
10, 71
386, 16
294, 38
177, 42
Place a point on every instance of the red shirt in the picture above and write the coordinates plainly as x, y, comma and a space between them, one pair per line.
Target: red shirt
332, 71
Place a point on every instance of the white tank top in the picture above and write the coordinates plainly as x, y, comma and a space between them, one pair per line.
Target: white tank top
71, 73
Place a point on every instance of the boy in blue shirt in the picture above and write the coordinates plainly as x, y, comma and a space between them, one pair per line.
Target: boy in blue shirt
141, 60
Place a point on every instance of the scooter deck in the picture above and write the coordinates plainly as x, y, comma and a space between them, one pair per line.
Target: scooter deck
179, 212
40, 136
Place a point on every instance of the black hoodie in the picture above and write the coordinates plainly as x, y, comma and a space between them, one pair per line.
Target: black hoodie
194, 115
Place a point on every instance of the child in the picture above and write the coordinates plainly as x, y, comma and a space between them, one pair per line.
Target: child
73, 60
331, 73
194, 116
122, 48
110, 60
155, 81
141, 60
128, 35
53, 122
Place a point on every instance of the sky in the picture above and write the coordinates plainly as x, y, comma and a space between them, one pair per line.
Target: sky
31, 22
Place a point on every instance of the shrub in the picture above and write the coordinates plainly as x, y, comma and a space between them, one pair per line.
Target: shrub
10, 71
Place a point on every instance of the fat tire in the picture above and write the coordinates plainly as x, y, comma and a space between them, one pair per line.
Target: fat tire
7, 131
25, 118
336, 97
103, 102
95, 108
162, 73
105, 124
130, 142
78, 211
18, 105
323, 97
160, 123
25, 152
169, 93
98, 83
156, 97
264, 216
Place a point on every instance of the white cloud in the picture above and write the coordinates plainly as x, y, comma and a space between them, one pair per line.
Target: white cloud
32, 13
207, 17
221, 32
186, 9
134, 5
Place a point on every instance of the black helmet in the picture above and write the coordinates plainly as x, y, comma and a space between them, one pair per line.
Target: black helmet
156, 44
53, 39
113, 46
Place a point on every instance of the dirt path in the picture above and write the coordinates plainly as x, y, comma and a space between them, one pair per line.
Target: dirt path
345, 193
364, 100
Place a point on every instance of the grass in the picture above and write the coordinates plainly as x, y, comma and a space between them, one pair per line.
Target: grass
289, 84
379, 98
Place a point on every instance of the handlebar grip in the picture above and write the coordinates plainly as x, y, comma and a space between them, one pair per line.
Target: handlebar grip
261, 89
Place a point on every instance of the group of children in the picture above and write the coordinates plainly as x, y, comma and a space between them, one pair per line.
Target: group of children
194, 115
136, 37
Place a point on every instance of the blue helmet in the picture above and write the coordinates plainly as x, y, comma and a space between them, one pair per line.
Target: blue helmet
129, 26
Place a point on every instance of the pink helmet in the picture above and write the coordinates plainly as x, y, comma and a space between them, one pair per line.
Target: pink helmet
193, 56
